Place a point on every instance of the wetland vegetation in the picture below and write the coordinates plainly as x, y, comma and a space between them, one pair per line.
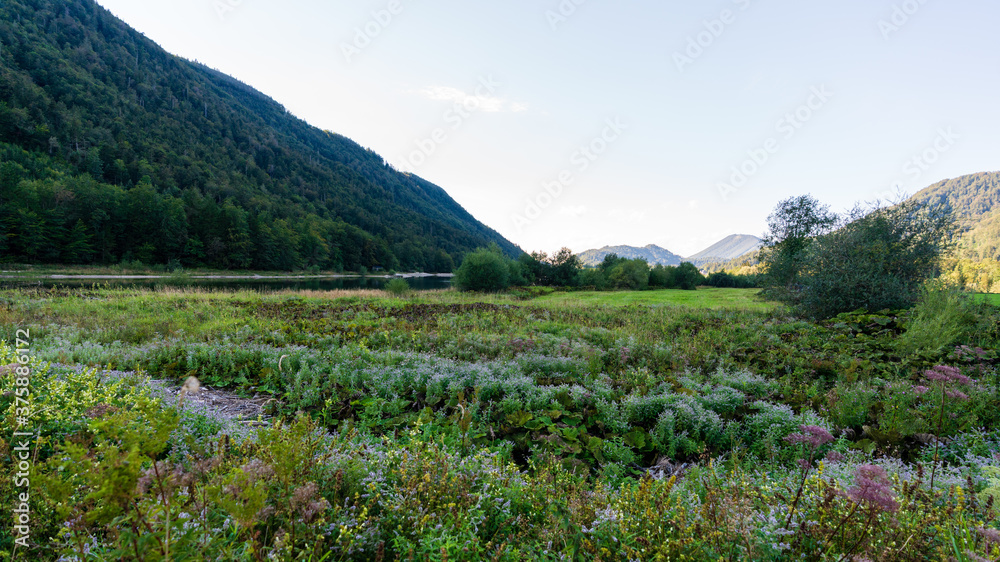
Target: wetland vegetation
441, 425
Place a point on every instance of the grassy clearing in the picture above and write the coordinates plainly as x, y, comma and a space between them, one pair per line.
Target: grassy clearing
440, 424
991, 298
705, 298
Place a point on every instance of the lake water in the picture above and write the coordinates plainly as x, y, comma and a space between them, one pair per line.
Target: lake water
256, 284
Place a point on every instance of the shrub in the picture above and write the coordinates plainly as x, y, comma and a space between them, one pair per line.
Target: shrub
593, 277
660, 275
485, 269
687, 277
941, 318
397, 287
630, 274
725, 280
878, 259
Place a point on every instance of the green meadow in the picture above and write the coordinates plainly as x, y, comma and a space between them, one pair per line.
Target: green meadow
703, 298
437, 425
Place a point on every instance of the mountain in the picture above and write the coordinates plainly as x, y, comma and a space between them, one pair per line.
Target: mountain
729, 248
112, 149
652, 254
975, 200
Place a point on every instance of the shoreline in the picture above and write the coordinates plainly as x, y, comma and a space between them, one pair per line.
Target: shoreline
14, 275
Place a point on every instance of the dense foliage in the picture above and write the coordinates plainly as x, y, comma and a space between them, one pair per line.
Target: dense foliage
485, 269
975, 201
873, 259
112, 149
878, 260
489, 270
725, 280
482, 428
792, 227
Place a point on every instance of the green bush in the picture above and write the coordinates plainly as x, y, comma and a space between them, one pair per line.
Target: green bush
397, 287
878, 259
485, 269
687, 277
630, 274
941, 318
593, 277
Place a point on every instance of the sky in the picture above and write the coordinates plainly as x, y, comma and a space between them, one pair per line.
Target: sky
585, 123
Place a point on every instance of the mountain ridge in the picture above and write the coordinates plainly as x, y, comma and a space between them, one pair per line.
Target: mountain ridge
652, 253
122, 151
727, 249
975, 200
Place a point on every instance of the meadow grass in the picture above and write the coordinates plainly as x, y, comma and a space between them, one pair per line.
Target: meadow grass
703, 298
635, 425
991, 298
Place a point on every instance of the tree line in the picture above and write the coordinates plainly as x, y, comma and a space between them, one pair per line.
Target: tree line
488, 269
817, 262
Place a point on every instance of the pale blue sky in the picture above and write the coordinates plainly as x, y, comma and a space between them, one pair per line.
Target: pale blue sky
898, 79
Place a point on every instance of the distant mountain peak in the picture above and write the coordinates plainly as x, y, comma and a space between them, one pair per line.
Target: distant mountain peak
729, 248
652, 253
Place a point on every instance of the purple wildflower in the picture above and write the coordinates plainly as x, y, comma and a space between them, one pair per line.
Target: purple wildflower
957, 395
920, 390
812, 435
991, 536
834, 456
946, 373
873, 488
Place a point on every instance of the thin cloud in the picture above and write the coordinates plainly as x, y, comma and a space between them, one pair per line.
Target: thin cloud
472, 102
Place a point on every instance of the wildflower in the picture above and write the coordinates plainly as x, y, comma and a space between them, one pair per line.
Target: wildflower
946, 373
257, 470
920, 390
834, 456
303, 501
990, 535
873, 488
812, 435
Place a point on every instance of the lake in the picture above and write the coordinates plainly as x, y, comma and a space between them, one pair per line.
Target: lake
259, 283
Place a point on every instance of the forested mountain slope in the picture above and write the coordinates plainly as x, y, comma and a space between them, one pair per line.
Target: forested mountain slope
112, 149
975, 200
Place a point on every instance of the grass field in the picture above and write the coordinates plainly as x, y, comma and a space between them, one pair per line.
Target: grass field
992, 298
651, 425
704, 297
